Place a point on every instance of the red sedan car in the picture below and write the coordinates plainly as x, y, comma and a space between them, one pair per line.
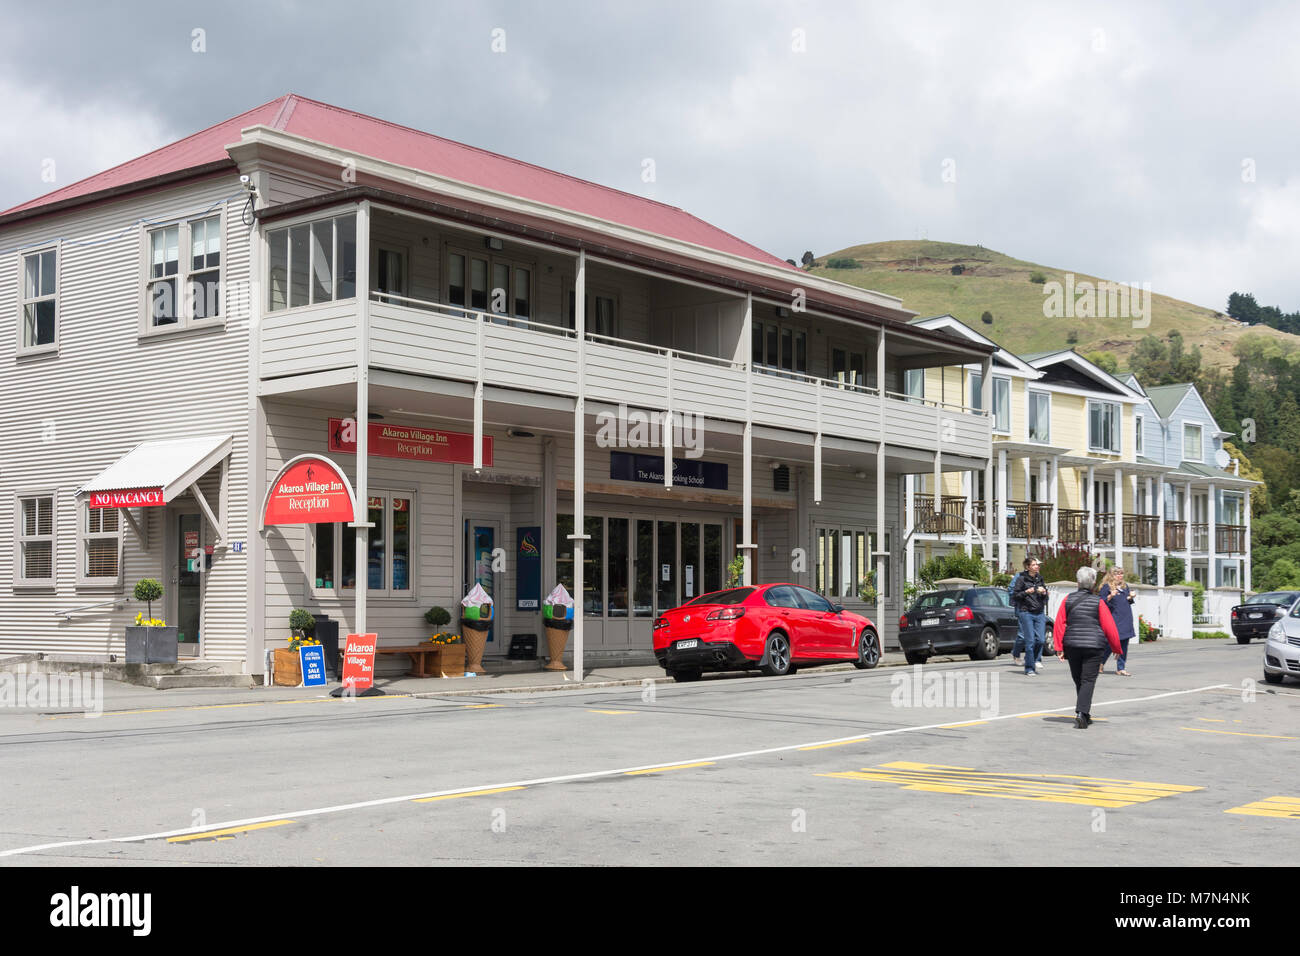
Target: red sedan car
775, 628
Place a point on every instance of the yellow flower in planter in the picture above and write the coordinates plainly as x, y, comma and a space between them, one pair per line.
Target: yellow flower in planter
142, 621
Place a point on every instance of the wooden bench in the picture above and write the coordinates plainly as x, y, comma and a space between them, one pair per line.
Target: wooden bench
421, 666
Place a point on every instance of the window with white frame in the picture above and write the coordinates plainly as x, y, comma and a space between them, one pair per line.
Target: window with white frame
390, 273
779, 348
312, 262
602, 313
34, 564
389, 549
848, 366
844, 562
1229, 575
492, 283
1040, 417
1103, 427
100, 548
976, 400
1192, 450
183, 273
1137, 434
1001, 405
914, 384
40, 316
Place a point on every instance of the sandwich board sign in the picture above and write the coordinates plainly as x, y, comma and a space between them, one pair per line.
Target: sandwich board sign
312, 659
359, 662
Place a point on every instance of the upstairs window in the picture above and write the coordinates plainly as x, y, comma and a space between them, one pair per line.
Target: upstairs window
312, 262
848, 366
780, 348
1137, 434
183, 274
40, 299
914, 384
1002, 405
496, 285
1103, 427
601, 314
1192, 450
1040, 417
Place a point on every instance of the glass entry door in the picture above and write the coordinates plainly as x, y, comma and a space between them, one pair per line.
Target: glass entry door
185, 602
480, 545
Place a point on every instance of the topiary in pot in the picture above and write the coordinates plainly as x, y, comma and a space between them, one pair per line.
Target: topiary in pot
148, 590
301, 624
437, 617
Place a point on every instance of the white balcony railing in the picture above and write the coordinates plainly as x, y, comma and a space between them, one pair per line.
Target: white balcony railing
441, 341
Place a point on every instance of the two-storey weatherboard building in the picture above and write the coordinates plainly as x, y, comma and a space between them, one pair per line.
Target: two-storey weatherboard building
513, 337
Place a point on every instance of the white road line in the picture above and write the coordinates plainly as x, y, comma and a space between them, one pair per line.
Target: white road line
564, 778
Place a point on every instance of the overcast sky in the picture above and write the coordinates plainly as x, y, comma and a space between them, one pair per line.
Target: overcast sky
1155, 144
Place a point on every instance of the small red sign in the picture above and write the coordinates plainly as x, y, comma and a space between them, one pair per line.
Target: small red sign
409, 442
359, 661
135, 498
308, 491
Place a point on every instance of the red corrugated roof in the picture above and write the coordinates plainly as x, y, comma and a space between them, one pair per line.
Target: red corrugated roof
369, 136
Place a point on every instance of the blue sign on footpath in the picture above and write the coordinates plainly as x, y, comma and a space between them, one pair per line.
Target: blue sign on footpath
312, 658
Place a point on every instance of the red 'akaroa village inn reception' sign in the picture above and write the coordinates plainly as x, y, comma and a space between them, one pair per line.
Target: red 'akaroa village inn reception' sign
409, 442
309, 489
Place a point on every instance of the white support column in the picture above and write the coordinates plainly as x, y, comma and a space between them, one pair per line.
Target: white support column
1212, 543
880, 493
361, 520
1118, 502
1188, 537
1089, 494
1054, 496
579, 536
968, 489
747, 546
1160, 536
989, 517
1002, 510
668, 422
909, 516
817, 451
1245, 561
936, 499
480, 349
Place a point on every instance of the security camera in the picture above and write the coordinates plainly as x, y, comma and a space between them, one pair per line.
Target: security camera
247, 183
245, 179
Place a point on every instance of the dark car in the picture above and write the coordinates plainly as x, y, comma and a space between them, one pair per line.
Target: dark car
977, 621
1259, 613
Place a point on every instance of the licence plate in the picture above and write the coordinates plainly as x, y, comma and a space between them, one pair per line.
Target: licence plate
926, 622
687, 645
1256, 616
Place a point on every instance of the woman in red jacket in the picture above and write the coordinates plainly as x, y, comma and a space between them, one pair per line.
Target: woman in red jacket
1082, 631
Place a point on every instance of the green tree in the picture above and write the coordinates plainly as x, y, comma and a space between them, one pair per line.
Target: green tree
1106, 361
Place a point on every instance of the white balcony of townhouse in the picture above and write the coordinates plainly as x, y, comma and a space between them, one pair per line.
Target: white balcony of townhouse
504, 319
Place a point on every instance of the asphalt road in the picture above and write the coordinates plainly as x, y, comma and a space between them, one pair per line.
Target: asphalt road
1191, 762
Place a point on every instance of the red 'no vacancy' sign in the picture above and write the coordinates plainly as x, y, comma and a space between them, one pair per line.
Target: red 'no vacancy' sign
135, 498
309, 489
359, 661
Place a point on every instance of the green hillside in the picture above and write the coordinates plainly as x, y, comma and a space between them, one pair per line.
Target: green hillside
920, 273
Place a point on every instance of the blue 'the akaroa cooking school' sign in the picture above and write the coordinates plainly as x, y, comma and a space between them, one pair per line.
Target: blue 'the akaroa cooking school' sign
688, 472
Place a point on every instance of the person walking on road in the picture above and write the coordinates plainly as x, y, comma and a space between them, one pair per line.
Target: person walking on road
1083, 630
1119, 599
1029, 593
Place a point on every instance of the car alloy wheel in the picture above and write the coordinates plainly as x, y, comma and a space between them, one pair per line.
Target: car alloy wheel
778, 655
987, 648
868, 651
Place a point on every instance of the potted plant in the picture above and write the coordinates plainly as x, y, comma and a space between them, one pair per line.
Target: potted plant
475, 623
150, 640
736, 571
285, 662
450, 660
557, 616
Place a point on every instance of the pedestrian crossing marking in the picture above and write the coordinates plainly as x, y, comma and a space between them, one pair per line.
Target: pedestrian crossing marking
1048, 787
1287, 807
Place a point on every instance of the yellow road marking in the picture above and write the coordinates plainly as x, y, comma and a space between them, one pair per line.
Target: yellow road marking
481, 706
467, 793
836, 743
968, 723
1048, 788
680, 766
1237, 733
1213, 720
217, 834
611, 712
1288, 807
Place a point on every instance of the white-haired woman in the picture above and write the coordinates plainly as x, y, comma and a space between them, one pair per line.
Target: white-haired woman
1082, 632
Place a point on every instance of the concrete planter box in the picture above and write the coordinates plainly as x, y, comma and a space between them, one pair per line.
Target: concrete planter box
151, 645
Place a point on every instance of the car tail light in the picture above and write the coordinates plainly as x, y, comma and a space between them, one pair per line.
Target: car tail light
726, 614
1234, 613
660, 622
902, 622
964, 614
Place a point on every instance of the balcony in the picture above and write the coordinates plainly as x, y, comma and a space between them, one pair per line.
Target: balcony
1025, 519
434, 340
1230, 539
1141, 531
1175, 535
949, 520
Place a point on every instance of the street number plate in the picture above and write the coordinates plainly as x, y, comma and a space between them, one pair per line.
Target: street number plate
686, 645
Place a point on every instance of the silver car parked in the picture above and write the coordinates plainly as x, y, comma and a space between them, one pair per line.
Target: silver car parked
1282, 649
